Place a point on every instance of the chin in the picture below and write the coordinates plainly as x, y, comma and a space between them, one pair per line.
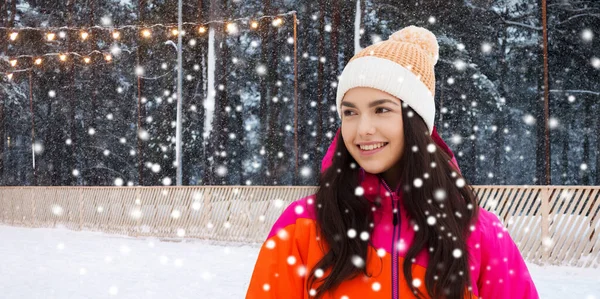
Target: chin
374, 169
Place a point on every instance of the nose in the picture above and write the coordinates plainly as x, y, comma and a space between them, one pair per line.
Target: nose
366, 126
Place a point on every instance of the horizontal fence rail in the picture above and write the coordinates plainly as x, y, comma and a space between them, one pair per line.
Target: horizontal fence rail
554, 225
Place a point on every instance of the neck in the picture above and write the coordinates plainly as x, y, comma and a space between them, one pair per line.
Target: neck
392, 177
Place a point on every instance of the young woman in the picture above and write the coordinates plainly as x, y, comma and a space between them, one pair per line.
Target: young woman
393, 217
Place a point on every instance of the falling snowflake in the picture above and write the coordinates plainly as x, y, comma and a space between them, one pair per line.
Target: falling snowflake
278, 203
418, 183
351, 233
416, 282
57, 210
595, 62
359, 191
166, 181
460, 65
486, 47
136, 213
431, 148
364, 236
457, 253
118, 182
115, 50
529, 119
139, 70
431, 220
587, 35
301, 271
261, 69
106, 21
357, 261
440, 194
38, 148
291, 260
283, 234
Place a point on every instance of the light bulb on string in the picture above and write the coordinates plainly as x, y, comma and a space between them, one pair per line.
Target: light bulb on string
62, 57
38, 61
146, 33
174, 32
116, 34
51, 36
108, 57
10, 76
202, 30
277, 22
13, 35
87, 59
13, 62
254, 24
84, 35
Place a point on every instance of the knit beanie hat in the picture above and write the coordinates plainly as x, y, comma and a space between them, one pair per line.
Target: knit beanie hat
401, 66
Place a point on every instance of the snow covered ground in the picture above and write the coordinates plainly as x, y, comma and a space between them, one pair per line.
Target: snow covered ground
59, 263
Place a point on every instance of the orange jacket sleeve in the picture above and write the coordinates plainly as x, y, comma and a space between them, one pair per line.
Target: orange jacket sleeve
280, 269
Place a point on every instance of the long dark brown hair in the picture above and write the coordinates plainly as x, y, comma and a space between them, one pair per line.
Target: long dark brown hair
339, 210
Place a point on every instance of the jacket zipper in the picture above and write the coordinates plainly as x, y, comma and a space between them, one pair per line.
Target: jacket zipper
394, 250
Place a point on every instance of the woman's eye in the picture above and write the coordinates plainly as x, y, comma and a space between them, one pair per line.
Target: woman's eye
379, 109
347, 112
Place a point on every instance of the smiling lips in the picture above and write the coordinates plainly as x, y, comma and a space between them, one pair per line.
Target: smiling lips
372, 146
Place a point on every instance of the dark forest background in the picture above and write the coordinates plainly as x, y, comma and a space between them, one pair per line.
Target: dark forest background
113, 122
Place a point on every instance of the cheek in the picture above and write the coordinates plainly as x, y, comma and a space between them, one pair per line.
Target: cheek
347, 134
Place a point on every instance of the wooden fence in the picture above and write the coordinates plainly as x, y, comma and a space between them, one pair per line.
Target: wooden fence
550, 224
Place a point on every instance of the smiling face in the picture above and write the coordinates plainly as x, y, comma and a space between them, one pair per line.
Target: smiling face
373, 129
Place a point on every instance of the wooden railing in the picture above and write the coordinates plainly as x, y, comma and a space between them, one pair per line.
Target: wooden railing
550, 224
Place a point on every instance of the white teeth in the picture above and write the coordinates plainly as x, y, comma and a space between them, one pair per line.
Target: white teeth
371, 147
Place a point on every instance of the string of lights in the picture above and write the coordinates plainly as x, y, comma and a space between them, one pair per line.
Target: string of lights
231, 27
144, 29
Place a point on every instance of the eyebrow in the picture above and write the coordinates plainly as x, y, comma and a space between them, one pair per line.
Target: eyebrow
372, 104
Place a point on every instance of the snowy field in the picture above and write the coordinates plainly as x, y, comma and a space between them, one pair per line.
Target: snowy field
59, 263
